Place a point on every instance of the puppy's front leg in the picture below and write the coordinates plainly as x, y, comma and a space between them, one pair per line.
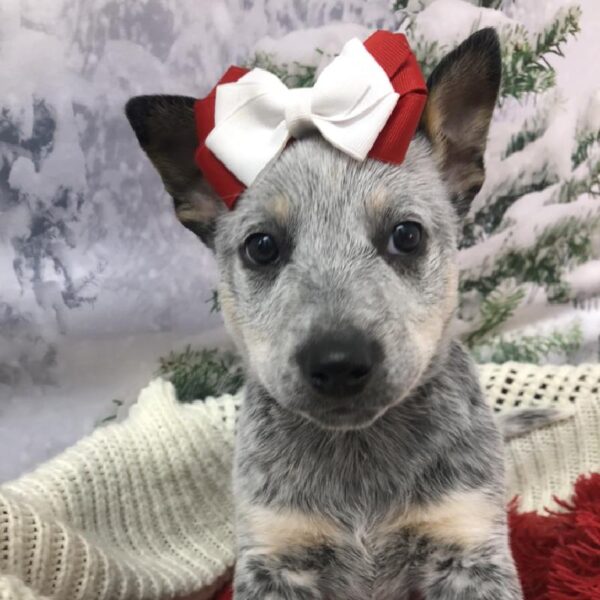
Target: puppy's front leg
486, 572
271, 577
282, 553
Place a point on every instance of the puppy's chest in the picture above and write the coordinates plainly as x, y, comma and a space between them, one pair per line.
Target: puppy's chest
357, 560
375, 557
377, 564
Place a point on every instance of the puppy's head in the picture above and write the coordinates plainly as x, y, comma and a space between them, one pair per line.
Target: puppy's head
338, 278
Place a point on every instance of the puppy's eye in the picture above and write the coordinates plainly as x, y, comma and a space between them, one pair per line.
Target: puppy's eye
405, 238
261, 249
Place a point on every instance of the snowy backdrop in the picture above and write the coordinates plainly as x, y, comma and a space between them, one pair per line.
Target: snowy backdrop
98, 280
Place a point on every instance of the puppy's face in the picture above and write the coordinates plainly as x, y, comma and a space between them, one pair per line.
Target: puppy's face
338, 278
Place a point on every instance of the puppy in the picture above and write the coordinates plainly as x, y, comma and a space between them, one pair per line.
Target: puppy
368, 464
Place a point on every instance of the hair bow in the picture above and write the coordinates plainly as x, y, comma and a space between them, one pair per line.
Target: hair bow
367, 102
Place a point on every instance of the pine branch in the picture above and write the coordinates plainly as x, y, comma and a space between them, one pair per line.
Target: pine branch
490, 3
295, 75
201, 373
215, 305
522, 70
487, 219
560, 246
495, 310
531, 130
565, 25
524, 67
116, 404
577, 184
519, 140
427, 53
584, 143
529, 348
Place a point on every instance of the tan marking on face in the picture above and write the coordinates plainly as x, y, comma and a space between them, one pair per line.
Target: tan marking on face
274, 531
427, 328
227, 303
426, 335
377, 201
451, 296
279, 207
251, 341
260, 351
465, 518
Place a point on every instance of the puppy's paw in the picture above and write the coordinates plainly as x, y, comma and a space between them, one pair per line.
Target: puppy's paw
272, 578
283, 586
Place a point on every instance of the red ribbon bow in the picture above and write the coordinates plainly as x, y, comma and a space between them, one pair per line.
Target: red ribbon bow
392, 53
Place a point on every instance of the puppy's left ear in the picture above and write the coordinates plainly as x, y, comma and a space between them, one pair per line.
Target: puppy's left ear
165, 127
463, 90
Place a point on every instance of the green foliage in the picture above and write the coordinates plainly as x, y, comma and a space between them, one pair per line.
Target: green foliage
580, 183
529, 348
495, 310
524, 67
427, 53
488, 219
111, 417
501, 290
532, 129
566, 24
215, 305
201, 373
521, 139
585, 142
295, 75
523, 71
560, 246
490, 3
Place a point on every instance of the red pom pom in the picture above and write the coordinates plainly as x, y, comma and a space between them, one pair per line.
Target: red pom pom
225, 594
558, 554
575, 573
532, 539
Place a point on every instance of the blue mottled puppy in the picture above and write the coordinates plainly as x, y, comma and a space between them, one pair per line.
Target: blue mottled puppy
368, 464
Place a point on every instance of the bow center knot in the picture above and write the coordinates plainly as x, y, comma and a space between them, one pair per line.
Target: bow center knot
298, 111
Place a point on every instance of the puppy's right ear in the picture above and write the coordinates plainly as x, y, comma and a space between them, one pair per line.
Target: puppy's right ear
166, 129
463, 90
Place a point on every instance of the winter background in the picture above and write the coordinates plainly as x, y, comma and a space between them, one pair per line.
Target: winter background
98, 281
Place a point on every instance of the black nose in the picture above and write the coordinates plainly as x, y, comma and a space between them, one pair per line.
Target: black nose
338, 363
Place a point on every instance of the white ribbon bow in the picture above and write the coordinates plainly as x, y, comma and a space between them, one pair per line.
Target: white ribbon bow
255, 116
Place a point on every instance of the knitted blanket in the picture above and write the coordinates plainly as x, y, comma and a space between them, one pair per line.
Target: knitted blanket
143, 509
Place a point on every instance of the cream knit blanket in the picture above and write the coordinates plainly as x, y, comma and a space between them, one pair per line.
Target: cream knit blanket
143, 508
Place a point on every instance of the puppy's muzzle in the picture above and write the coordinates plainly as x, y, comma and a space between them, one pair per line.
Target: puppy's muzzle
338, 363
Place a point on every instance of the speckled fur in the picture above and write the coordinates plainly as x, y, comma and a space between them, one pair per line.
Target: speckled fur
421, 431
402, 496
